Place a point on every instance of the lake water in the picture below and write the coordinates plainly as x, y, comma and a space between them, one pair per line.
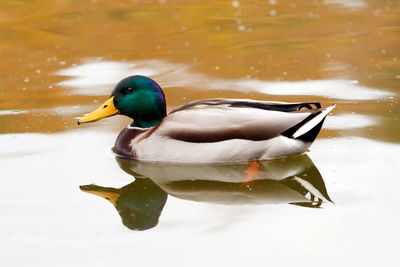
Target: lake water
67, 201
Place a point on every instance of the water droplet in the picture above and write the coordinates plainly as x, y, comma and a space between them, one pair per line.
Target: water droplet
272, 12
241, 28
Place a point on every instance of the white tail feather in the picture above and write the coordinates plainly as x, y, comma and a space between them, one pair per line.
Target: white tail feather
313, 122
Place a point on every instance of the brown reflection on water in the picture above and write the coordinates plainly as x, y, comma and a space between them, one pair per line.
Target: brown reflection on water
288, 41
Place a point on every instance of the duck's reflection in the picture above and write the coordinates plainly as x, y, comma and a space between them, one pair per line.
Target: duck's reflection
293, 180
139, 203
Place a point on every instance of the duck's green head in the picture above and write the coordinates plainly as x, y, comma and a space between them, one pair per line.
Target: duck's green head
137, 97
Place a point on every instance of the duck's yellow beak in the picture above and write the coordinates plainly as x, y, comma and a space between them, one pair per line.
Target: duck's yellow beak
106, 110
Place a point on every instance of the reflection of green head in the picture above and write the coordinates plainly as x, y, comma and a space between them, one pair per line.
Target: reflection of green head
139, 203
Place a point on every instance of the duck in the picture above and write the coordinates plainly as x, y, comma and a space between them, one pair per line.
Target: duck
216, 130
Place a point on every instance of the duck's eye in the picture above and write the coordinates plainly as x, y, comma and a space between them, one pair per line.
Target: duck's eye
129, 90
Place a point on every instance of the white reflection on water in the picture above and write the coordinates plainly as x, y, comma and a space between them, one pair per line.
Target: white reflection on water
45, 214
12, 112
96, 77
349, 121
332, 88
355, 4
76, 110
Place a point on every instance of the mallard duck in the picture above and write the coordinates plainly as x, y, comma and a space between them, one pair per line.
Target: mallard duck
207, 131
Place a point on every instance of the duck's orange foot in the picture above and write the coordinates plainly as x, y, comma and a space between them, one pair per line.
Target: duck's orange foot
251, 172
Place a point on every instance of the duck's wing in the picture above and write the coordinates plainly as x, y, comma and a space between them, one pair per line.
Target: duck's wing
267, 105
215, 120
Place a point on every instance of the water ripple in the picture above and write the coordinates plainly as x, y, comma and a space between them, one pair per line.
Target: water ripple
94, 77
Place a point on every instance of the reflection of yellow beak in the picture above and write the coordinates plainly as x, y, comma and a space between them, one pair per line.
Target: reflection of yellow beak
95, 190
106, 110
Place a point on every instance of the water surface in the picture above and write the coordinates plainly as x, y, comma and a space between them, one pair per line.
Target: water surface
337, 205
